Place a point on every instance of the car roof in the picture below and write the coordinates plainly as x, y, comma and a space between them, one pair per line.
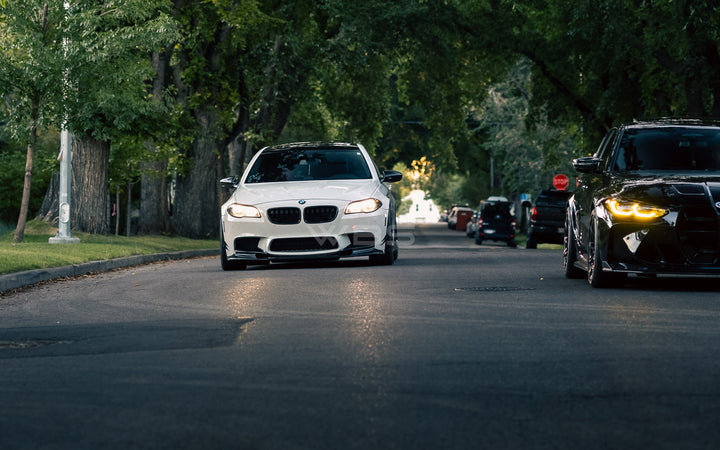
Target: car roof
673, 122
329, 145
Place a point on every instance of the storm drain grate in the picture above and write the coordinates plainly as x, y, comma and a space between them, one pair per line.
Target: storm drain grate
494, 289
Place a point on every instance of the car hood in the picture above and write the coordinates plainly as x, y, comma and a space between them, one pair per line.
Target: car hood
667, 190
349, 190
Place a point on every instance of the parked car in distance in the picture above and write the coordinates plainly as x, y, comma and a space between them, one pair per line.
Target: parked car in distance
496, 222
546, 222
647, 203
459, 217
306, 201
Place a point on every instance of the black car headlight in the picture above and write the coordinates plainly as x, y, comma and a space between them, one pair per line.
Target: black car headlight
630, 209
241, 211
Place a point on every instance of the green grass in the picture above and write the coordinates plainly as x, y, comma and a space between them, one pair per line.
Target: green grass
36, 253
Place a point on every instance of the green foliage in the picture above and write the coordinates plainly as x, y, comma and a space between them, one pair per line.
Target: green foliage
12, 169
108, 69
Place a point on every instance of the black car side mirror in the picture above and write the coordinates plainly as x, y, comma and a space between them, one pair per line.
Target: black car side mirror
588, 164
391, 176
230, 183
526, 204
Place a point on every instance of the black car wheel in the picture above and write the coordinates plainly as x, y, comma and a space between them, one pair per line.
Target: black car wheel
226, 263
391, 251
531, 243
570, 254
595, 275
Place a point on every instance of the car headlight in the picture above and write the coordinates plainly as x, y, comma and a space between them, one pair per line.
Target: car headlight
363, 206
240, 211
622, 208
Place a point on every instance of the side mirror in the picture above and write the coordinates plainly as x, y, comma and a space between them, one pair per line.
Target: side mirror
229, 183
526, 204
588, 164
391, 176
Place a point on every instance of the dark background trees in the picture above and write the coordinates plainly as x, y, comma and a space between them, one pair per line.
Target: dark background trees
498, 95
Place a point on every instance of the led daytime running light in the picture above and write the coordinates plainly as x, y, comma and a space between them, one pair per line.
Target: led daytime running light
628, 209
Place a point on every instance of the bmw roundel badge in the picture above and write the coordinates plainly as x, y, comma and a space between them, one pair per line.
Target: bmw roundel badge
302, 202
717, 205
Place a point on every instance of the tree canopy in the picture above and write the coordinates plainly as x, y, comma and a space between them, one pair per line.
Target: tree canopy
497, 95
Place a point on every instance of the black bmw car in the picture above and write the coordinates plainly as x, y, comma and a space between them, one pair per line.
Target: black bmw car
647, 203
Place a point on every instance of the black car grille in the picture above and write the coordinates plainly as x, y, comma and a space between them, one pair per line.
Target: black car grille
698, 234
284, 216
311, 214
303, 244
319, 214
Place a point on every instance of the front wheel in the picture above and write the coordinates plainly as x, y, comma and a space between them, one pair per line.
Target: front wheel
228, 264
478, 238
595, 275
570, 253
390, 254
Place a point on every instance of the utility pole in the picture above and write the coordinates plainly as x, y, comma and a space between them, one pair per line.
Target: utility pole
63, 235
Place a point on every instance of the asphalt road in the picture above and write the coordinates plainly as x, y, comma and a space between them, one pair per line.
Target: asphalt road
456, 346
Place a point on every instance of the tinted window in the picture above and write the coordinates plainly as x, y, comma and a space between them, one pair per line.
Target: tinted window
497, 209
308, 164
553, 198
670, 148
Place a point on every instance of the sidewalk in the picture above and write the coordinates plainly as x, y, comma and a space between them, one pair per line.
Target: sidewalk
17, 280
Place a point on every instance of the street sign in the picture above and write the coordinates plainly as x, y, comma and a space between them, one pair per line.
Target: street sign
560, 182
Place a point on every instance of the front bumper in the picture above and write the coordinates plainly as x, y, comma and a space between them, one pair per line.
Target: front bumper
348, 235
667, 246
552, 233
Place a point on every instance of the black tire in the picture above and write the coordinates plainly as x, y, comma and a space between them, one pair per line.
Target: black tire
570, 254
595, 275
531, 243
228, 264
390, 254
512, 243
478, 239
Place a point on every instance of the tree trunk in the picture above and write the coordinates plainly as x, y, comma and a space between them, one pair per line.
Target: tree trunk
50, 209
90, 198
153, 198
25, 202
196, 209
153, 184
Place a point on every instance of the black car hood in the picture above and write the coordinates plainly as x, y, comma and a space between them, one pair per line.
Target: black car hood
665, 190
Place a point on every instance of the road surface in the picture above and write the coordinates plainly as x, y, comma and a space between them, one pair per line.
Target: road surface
456, 346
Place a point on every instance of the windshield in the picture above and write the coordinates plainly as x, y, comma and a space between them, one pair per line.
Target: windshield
308, 164
669, 148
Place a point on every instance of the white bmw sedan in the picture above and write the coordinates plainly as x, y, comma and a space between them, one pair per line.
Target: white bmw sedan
306, 201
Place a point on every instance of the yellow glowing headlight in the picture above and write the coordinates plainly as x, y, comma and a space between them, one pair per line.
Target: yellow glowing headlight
633, 209
363, 206
241, 211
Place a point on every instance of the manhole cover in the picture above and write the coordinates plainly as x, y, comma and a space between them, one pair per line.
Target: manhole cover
9, 345
494, 289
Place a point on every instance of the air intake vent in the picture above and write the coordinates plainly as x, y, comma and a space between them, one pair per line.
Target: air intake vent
303, 244
697, 232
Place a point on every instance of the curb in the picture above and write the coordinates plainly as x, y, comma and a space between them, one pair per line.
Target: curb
17, 280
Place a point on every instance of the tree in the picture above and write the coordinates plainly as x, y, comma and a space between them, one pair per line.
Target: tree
27, 76
108, 67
